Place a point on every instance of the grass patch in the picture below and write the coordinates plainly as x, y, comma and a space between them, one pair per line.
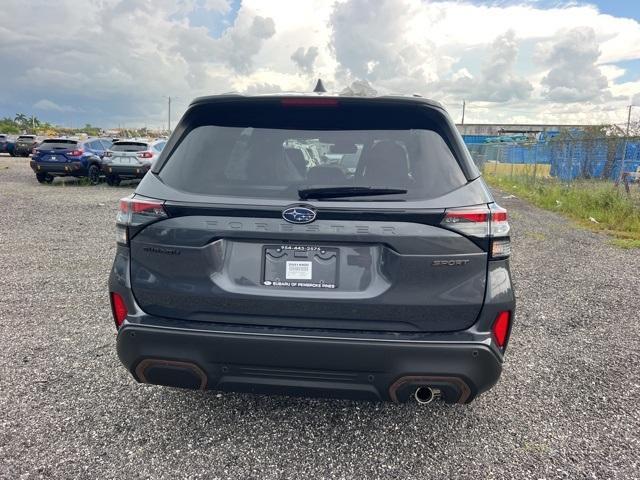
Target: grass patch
626, 243
615, 212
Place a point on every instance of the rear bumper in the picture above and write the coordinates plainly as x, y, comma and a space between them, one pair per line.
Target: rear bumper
59, 168
22, 150
126, 171
363, 369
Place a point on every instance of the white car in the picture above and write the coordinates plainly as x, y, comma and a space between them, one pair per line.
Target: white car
130, 159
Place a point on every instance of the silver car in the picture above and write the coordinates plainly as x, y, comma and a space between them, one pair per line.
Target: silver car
130, 159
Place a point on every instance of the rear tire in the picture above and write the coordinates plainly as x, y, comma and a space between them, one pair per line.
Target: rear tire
93, 174
113, 180
44, 178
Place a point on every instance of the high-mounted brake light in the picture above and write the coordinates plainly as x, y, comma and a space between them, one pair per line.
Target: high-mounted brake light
134, 212
488, 222
145, 155
500, 328
309, 102
118, 308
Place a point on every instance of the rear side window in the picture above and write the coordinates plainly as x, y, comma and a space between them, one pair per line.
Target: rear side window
26, 139
128, 147
272, 151
57, 144
159, 146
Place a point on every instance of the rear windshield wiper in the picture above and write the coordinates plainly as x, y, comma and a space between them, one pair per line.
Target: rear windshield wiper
341, 192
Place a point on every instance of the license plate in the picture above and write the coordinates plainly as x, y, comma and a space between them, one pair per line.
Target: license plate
299, 271
300, 266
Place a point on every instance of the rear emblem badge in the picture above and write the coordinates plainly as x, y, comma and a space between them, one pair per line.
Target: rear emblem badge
299, 215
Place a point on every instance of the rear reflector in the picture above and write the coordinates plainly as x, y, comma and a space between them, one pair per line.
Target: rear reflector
500, 328
118, 308
309, 102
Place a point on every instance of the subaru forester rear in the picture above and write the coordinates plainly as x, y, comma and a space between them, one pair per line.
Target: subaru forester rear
314, 245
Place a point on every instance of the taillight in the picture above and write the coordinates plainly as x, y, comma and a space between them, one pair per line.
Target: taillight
500, 328
145, 155
75, 153
108, 154
135, 212
33, 151
309, 102
118, 308
488, 222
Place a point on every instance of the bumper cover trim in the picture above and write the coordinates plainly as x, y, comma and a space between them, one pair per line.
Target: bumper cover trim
297, 365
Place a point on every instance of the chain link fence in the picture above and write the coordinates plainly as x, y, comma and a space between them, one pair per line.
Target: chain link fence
614, 159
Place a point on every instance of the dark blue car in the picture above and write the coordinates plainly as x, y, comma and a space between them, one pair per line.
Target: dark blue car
63, 157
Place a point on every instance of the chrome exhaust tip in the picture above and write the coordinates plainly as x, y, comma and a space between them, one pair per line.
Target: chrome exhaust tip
424, 395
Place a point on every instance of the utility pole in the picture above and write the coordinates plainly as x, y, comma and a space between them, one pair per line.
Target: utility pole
624, 148
464, 104
169, 115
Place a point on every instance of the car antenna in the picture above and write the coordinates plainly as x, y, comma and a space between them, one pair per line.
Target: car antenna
319, 87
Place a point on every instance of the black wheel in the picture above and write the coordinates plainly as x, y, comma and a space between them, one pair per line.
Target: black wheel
44, 177
93, 174
113, 180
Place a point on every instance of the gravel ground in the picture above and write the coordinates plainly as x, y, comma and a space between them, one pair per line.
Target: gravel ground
566, 406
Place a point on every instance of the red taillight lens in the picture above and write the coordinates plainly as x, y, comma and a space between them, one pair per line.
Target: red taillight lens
500, 328
482, 222
309, 102
469, 221
118, 308
33, 151
145, 155
75, 153
137, 211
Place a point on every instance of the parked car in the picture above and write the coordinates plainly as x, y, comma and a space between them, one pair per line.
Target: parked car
237, 270
6, 145
24, 145
129, 159
62, 157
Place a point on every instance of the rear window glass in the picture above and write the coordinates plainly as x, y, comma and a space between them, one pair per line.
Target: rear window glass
273, 151
128, 147
26, 139
55, 144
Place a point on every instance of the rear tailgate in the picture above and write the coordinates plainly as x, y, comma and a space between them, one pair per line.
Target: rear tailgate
399, 272
226, 253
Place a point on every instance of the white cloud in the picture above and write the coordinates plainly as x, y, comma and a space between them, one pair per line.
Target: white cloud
305, 59
115, 61
574, 74
45, 104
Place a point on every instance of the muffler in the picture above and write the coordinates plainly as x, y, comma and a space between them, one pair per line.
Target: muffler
424, 395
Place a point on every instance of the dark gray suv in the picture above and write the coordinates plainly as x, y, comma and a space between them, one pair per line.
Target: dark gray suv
251, 258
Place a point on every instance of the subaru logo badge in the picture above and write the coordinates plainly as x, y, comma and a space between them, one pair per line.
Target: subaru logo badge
299, 215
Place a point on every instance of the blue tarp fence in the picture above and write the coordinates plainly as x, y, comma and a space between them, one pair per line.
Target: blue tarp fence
569, 159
